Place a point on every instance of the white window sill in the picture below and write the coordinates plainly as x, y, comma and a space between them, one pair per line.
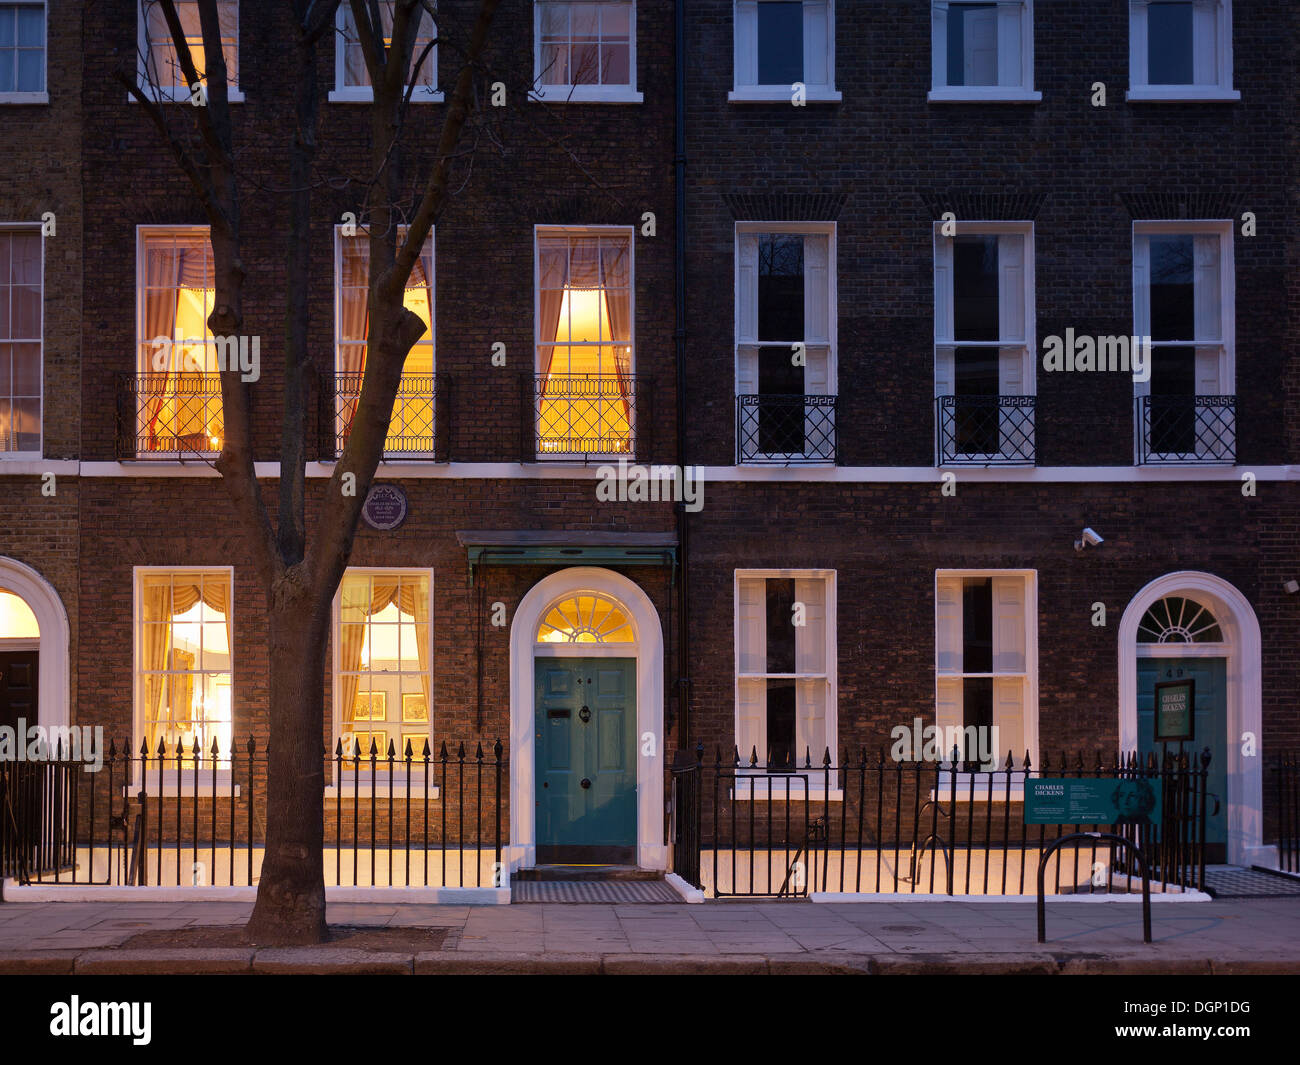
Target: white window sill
585, 94
1183, 94
423, 94
985, 95
383, 789
777, 792
24, 97
175, 94
982, 790
783, 94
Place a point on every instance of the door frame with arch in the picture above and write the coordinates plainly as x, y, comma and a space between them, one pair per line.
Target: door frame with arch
651, 849
54, 683
1241, 647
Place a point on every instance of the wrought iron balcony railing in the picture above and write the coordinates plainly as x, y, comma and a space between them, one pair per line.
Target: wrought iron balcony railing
1186, 429
584, 416
985, 430
784, 430
168, 415
418, 427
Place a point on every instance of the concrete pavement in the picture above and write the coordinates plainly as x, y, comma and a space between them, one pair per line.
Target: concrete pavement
1231, 936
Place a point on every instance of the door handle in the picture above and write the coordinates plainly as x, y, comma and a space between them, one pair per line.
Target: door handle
585, 714
585, 783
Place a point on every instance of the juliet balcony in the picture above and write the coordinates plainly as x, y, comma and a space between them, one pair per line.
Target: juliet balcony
168, 415
985, 430
1186, 430
785, 430
420, 424
584, 417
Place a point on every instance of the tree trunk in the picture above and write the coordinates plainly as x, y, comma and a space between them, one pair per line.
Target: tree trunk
290, 905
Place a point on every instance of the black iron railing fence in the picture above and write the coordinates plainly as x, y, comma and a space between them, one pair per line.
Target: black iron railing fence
785, 430
420, 423
1186, 429
877, 826
168, 414
183, 816
1286, 780
985, 430
582, 416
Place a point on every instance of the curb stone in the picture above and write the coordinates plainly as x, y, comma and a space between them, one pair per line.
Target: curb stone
963, 964
491, 963
211, 961
328, 962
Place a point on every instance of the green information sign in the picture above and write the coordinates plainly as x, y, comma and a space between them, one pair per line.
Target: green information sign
1092, 801
1175, 702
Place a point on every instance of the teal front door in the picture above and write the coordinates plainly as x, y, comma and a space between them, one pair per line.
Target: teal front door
585, 716
1210, 729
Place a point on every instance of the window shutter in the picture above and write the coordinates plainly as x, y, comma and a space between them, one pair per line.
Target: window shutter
810, 638
751, 720
816, 289
1011, 287
981, 47
747, 314
1141, 300
751, 694
947, 631
1010, 21
1205, 42
1009, 718
948, 711
1209, 314
1008, 625
816, 45
944, 362
938, 46
746, 42
751, 622
810, 739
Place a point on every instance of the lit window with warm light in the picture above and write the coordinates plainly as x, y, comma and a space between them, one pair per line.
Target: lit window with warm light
178, 386
382, 673
585, 394
411, 428
21, 332
17, 622
183, 659
161, 75
586, 618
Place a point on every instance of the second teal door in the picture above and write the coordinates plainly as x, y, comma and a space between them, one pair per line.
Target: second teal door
585, 716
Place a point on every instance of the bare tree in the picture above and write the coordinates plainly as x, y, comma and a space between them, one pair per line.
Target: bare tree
300, 571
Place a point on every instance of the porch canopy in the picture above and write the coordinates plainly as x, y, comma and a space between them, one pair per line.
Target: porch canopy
525, 547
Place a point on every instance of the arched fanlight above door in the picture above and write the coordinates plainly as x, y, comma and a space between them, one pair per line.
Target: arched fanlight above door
1176, 619
587, 617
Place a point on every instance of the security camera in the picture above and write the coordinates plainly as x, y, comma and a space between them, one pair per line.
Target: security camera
1091, 538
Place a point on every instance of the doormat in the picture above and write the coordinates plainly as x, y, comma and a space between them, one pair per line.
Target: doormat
1231, 882
617, 891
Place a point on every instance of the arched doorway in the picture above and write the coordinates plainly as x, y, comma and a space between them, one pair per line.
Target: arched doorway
34, 668
1198, 627
586, 723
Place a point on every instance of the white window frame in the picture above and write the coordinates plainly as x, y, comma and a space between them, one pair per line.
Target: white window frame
394, 782
1029, 706
542, 230
745, 86
759, 786
1013, 16
943, 316
171, 93
746, 306
176, 782
364, 94
42, 95
28, 456
585, 94
1209, 56
1227, 361
433, 302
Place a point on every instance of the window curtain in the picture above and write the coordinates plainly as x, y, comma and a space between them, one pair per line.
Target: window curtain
614, 281
360, 602
553, 278
354, 321
173, 263
165, 597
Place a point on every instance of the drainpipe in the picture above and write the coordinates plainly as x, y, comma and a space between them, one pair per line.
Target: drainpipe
683, 531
